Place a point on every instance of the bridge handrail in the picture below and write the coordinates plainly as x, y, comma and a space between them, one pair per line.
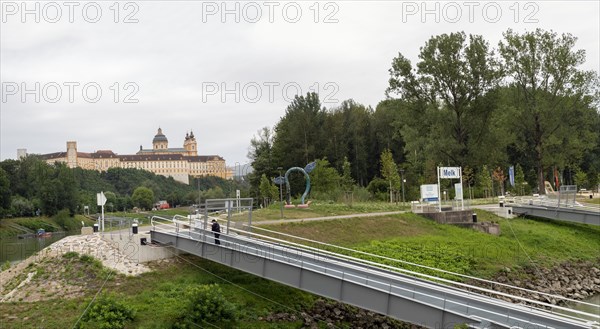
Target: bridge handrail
552, 203
439, 270
373, 265
456, 291
412, 273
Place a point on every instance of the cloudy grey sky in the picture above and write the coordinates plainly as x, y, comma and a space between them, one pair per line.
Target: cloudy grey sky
221, 69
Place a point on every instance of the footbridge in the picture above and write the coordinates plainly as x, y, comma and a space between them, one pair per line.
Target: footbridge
362, 280
555, 209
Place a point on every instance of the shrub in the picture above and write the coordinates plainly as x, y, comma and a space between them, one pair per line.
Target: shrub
206, 303
107, 313
64, 219
71, 254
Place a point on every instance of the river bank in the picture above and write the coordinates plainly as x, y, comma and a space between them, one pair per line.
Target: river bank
37, 278
576, 280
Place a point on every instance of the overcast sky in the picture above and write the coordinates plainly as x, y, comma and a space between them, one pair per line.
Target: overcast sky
221, 69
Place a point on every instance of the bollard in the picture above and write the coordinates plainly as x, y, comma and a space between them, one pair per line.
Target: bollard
95, 228
134, 228
474, 217
501, 203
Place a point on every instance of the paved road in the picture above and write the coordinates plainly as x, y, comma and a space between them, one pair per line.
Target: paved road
299, 220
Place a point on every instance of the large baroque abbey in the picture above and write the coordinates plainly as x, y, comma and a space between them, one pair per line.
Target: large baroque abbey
179, 163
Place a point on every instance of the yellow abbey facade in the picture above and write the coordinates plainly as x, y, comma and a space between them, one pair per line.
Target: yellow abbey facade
179, 163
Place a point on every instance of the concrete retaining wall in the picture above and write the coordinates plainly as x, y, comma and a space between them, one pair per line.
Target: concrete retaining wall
131, 246
449, 217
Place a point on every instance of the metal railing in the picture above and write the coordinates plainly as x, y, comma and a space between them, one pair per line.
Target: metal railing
550, 203
365, 266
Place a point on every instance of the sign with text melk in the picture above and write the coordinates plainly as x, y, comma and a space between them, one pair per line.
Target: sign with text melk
451, 173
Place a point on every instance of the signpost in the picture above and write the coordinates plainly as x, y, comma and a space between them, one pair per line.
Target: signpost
450, 173
430, 192
101, 201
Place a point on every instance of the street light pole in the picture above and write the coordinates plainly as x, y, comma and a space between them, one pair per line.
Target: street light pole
402, 177
280, 191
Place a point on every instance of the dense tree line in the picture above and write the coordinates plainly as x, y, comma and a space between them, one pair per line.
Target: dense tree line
464, 103
30, 186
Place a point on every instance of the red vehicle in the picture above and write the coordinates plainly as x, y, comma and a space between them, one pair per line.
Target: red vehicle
162, 205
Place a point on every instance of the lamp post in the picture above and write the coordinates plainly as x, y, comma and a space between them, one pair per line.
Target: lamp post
403, 180
280, 191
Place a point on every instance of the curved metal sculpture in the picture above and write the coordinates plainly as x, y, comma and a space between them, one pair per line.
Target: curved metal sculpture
287, 184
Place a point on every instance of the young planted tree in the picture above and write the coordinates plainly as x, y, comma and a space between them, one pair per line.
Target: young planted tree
347, 181
498, 176
389, 171
520, 181
484, 181
268, 191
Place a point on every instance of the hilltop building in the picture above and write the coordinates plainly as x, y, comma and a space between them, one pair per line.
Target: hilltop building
179, 163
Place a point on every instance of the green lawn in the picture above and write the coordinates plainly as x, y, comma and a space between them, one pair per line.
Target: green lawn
158, 298
412, 238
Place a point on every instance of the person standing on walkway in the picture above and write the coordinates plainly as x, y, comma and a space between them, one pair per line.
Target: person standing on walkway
216, 228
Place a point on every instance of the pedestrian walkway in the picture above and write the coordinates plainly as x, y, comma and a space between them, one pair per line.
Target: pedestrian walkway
301, 220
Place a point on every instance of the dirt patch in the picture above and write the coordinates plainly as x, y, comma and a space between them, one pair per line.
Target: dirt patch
66, 269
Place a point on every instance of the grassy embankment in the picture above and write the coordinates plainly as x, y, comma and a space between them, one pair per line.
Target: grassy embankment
412, 238
159, 297
15, 226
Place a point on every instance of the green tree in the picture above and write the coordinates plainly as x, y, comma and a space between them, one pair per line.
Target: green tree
389, 171
214, 193
143, 198
5, 193
453, 78
268, 191
580, 179
111, 200
347, 181
324, 178
299, 133
520, 182
484, 181
22, 207
552, 96
260, 154
358, 138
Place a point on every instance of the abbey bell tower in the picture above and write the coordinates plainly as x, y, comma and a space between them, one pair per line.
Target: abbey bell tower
190, 145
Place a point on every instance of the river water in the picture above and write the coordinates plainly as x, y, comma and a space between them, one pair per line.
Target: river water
13, 249
595, 300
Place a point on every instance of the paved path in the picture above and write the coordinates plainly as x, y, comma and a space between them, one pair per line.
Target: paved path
300, 220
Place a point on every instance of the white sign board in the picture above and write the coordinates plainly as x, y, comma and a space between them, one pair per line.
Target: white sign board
429, 192
237, 194
458, 190
100, 198
449, 172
